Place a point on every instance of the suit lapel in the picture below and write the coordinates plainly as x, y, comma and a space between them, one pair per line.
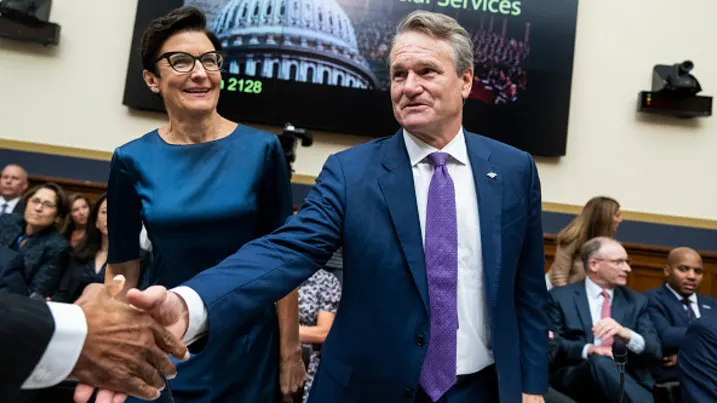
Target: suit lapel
619, 306
398, 190
705, 305
675, 304
489, 193
583, 308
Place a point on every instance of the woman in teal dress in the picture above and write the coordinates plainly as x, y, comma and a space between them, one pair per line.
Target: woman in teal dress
203, 186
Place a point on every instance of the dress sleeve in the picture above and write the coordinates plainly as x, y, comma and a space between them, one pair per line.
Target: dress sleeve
275, 198
329, 293
124, 220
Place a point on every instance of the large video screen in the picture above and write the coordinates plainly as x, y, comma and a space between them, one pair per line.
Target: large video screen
322, 64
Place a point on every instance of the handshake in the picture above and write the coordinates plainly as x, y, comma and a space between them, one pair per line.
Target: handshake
129, 339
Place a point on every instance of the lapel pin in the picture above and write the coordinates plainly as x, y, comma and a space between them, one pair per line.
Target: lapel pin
491, 175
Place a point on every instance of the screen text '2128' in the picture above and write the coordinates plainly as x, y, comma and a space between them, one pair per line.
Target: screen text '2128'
242, 85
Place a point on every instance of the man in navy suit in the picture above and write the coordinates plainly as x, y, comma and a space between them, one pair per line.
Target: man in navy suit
675, 304
589, 315
13, 183
697, 361
444, 292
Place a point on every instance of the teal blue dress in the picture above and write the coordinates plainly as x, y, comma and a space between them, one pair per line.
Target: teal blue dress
200, 203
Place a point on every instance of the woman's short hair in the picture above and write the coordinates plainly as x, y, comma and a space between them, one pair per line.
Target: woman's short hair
443, 27
61, 201
182, 19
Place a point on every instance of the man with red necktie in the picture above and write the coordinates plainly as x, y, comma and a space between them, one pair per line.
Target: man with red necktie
588, 316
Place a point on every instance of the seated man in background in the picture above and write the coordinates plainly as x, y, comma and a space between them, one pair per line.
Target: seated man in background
697, 361
13, 183
676, 304
588, 315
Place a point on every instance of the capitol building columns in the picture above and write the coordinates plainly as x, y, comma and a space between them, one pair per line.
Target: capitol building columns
311, 41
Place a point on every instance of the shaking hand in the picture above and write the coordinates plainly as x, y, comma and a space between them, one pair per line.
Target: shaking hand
165, 308
125, 350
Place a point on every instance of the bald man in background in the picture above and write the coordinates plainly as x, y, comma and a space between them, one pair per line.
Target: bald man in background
675, 305
13, 184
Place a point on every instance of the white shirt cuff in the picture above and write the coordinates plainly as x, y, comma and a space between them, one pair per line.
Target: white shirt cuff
636, 344
198, 315
64, 348
585, 351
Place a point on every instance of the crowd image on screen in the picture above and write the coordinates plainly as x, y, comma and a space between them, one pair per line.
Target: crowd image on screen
500, 75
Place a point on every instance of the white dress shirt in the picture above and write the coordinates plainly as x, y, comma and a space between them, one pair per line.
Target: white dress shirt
474, 351
10, 204
595, 300
64, 348
692, 298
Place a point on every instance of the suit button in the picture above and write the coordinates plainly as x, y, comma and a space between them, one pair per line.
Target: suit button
408, 392
421, 340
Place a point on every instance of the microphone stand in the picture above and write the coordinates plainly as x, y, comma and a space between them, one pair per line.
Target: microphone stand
621, 368
619, 353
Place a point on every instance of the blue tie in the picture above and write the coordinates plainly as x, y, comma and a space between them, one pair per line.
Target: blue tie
4, 209
441, 248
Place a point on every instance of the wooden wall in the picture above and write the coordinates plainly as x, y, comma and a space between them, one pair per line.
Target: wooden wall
647, 261
648, 264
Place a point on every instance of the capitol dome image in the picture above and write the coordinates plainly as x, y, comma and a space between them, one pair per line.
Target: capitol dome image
310, 41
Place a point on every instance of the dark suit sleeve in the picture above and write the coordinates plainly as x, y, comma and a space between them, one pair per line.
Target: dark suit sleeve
13, 279
531, 295
50, 273
670, 336
653, 349
267, 269
27, 327
275, 200
697, 361
570, 349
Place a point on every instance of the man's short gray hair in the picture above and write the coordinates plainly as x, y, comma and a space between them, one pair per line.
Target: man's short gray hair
439, 26
591, 248
22, 170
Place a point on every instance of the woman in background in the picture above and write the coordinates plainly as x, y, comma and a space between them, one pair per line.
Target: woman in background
89, 259
319, 298
203, 186
79, 210
42, 252
600, 217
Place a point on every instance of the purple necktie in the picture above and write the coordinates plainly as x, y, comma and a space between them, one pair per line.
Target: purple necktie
441, 249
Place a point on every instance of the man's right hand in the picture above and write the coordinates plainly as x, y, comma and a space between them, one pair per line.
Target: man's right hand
125, 350
168, 309
600, 350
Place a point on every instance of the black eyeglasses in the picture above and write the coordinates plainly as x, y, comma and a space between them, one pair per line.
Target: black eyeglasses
183, 62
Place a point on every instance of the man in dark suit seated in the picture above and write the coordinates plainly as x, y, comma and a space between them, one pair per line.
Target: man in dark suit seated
555, 361
13, 183
697, 361
588, 315
676, 304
